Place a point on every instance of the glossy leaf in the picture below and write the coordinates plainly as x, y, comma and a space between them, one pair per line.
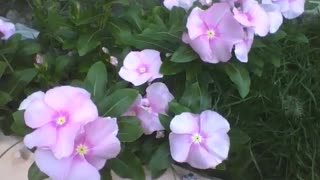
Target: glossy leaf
129, 129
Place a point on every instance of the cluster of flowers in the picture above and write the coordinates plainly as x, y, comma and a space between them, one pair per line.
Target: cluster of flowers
214, 32
198, 139
72, 141
7, 29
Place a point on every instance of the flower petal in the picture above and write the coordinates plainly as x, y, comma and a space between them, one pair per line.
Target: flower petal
214, 15
211, 121
66, 98
132, 61
50, 165
222, 50
195, 25
218, 144
101, 128
200, 158
34, 96
128, 75
295, 10
159, 97
202, 47
108, 148
149, 121
185, 123
65, 140
85, 112
82, 170
38, 114
44, 136
180, 146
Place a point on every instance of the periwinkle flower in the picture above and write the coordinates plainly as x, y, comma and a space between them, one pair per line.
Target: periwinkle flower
200, 140
57, 118
141, 66
212, 33
7, 29
92, 148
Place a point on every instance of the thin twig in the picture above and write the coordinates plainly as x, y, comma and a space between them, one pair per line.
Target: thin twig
10, 148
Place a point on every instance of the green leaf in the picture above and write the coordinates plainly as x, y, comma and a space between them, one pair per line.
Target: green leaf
238, 139
4, 98
196, 97
129, 129
127, 165
34, 173
177, 108
240, 77
96, 80
183, 54
20, 79
117, 103
165, 121
87, 42
160, 160
171, 68
18, 126
105, 173
3, 67
29, 47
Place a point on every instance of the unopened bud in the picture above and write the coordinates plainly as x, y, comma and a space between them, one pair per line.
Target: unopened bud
39, 59
105, 50
160, 134
113, 60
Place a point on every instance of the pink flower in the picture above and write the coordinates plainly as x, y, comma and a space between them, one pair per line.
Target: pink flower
275, 16
185, 4
57, 118
200, 140
290, 8
148, 109
7, 29
91, 150
252, 15
242, 48
140, 67
212, 33
34, 96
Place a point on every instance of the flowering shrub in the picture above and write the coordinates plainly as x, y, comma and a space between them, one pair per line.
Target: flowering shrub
123, 86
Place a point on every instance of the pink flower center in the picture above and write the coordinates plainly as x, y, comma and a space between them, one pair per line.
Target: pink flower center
211, 34
82, 149
142, 69
61, 120
197, 138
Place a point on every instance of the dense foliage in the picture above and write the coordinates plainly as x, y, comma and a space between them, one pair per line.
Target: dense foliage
271, 102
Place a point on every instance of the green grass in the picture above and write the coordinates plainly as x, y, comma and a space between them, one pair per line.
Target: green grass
282, 115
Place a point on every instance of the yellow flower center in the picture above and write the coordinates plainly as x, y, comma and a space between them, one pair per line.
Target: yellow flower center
197, 138
142, 69
82, 149
132, 113
61, 120
211, 34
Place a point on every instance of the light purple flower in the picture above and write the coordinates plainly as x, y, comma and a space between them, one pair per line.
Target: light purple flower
252, 15
39, 95
290, 8
212, 33
91, 150
57, 119
140, 67
7, 29
200, 140
275, 16
147, 109
242, 48
185, 4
